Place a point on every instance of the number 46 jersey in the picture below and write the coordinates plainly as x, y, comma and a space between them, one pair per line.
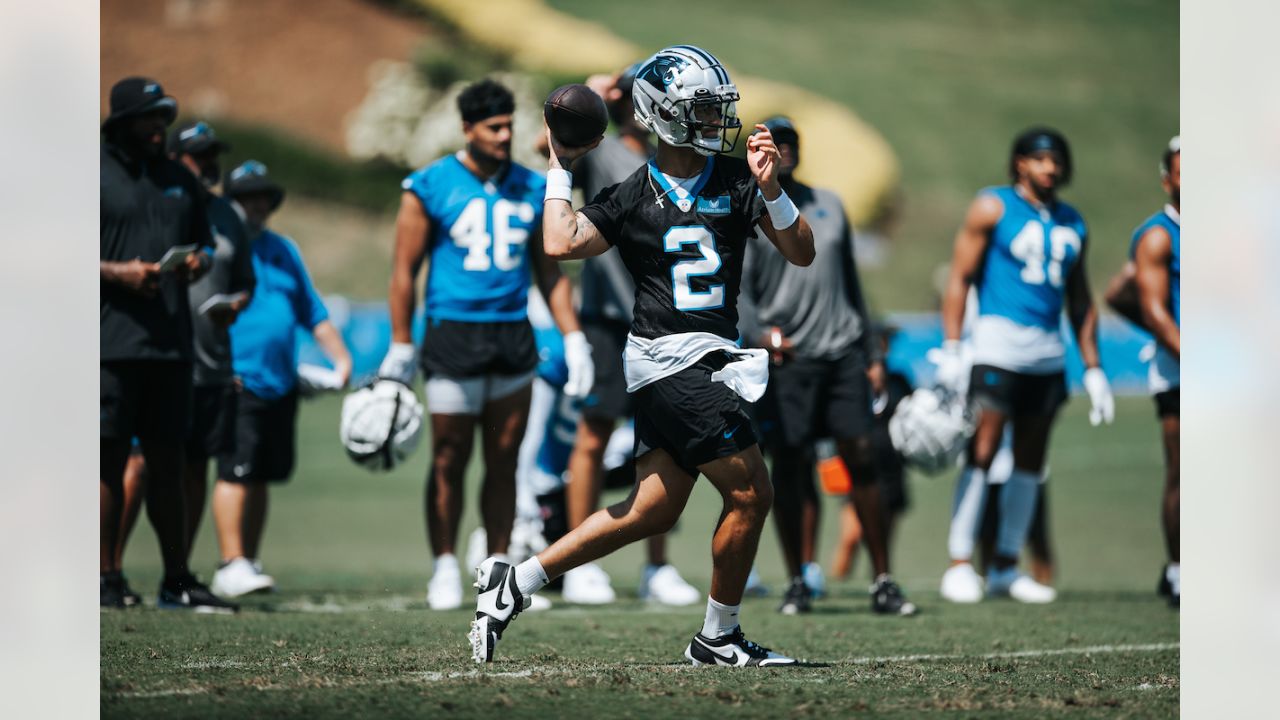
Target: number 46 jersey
1031, 254
683, 247
479, 238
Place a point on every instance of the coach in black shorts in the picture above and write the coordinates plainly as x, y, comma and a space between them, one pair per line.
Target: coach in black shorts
813, 320
150, 206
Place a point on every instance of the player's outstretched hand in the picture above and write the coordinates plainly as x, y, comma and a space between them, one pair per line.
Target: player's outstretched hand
582, 371
562, 156
1103, 404
400, 363
762, 157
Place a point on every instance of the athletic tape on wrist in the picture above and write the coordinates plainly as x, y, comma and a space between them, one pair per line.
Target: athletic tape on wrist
559, 185
783, 213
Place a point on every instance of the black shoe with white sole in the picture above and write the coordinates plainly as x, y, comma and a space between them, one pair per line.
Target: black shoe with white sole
798, 598
497, 604
185, 592
733, 650
887, 598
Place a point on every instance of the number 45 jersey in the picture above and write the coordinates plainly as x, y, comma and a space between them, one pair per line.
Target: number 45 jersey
683, 243
478, 239
1031, 253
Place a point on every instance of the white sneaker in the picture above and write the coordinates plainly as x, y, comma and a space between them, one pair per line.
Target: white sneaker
588, 585
497, 604
663, 584
961, 584
444, 592
538, 603
257, 567
477, 547
733, 650
238, 578
1011, 583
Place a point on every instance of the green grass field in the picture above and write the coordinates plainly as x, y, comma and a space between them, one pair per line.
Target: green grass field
949, 84
349, 633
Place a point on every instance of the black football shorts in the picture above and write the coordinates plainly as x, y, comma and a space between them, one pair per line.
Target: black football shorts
266, 435
1014, 393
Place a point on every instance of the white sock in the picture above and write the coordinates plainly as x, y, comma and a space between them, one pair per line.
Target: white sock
530, 577
966, 512
1017, 509
446, 562
1173, 575
721, 619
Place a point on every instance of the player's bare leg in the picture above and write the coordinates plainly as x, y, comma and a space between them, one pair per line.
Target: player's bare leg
747, 495
229, 500
135, 488
1017, 508
255, 518
166, 504
113, 455
864, 491
1169, 429
847, 546
503, 424
452, 438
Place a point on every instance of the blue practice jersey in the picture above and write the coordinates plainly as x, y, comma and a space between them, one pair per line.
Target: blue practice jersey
479, 239
264, 343
1031, 254
1173, 226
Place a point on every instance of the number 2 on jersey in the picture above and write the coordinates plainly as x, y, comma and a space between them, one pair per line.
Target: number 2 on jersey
470, 231
685, 297
1028, 246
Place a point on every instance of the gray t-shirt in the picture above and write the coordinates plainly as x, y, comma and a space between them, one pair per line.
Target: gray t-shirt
819, 307
232, 272
608, 292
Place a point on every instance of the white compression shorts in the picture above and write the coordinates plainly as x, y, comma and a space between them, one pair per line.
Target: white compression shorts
467, 396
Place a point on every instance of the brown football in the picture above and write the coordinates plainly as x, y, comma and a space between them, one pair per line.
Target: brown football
576, 115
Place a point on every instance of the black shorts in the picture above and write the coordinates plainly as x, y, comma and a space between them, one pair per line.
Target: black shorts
465, 349
1016, 394
1169, 403
609, 399
265, 438
213, 420
147, 399
810, 399
693, 418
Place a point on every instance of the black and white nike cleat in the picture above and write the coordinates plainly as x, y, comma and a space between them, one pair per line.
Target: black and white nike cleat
797, 599
497, 604
185, 592
733, 650
887, 598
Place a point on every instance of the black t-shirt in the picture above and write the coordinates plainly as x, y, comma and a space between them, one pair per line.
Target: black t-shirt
686, 264
146, 208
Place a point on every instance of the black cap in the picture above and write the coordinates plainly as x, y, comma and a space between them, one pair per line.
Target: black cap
251, 177
194, 138
1037, 139
138, 95
783, 130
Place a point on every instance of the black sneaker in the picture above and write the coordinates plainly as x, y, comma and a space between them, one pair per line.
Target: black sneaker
111, 590
887, 598
733, 650
187, 593
797, 598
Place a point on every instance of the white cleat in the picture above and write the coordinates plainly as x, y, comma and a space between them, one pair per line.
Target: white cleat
538, 603
733, 650
239, 577
961, 584
444, 592
588, 585
1020, 587
497, 603
662, 584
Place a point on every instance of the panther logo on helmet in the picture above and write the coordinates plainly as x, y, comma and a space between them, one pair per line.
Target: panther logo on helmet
683, 94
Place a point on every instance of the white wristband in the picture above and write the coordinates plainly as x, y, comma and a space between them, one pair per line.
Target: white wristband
783, 213
559, 185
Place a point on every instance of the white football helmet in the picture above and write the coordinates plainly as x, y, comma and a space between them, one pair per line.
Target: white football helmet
381, 424
682, 92
930, 428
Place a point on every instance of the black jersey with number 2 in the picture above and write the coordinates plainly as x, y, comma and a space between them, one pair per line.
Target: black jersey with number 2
686, 261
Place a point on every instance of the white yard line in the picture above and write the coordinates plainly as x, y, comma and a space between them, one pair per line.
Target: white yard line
434, 676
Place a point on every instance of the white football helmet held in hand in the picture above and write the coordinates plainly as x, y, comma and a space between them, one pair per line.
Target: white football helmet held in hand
681, 93
381, 424
930, 428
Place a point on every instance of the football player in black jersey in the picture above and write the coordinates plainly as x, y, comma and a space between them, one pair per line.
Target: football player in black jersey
681, 224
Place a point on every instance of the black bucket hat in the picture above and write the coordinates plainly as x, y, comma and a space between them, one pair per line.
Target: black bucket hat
137, 95
251, 177
783, 131
194, 138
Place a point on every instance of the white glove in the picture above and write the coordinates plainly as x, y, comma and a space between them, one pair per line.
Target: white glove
400, 363
582, 371
953, 367
1103, 404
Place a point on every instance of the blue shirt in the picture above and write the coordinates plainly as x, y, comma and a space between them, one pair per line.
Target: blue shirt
1029, 258
560, 423
478, 239
264, 336
1174, 228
